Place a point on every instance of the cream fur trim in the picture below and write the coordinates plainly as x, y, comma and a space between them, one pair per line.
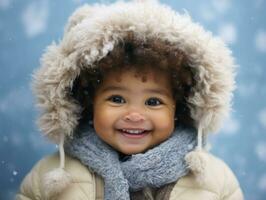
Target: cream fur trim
92, 31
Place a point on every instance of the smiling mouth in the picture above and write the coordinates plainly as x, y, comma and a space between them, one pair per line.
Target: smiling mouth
136, 133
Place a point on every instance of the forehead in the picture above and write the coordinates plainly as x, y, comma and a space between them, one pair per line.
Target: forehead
137, 82
149, 75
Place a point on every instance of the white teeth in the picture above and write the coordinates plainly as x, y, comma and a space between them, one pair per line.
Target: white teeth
133, 131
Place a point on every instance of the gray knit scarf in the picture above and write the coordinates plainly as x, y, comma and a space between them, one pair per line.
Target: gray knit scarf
156, 167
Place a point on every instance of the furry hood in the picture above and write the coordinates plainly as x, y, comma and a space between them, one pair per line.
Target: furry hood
93, 31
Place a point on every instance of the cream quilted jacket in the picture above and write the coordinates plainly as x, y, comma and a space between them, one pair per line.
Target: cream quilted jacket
219, 183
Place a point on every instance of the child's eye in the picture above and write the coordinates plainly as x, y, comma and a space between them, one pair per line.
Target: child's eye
117, 99
153, 102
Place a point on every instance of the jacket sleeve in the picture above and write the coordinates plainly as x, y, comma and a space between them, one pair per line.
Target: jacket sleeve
30, 186
231, 187
82, 186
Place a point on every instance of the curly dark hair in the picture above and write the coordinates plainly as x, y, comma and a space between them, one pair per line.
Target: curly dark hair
141, 56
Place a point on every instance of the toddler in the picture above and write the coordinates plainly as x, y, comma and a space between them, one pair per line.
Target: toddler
129, 95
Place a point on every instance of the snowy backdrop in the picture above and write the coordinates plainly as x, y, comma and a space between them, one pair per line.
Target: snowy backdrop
28, 26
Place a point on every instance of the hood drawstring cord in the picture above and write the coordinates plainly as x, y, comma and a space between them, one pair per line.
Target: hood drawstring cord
200, 135
58, 179
196, 159
62, 151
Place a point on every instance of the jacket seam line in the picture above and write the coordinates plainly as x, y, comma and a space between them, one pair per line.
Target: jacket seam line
23, 195
182, 192
225, 180
82, 190
234, 191
200, 189
81, 182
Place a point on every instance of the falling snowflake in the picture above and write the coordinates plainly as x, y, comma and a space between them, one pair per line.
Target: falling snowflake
230, 126
222, 5
10, 104
247, 89
4, 4
15, 173
260, 41
34, 18
260, 151
228, 33
5, 138
262, 117
206, 13
262, 183
78, 1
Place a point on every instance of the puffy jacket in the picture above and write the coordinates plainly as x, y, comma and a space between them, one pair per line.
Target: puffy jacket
219, 183
91, 34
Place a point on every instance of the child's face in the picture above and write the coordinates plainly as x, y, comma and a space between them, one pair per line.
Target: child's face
132, 115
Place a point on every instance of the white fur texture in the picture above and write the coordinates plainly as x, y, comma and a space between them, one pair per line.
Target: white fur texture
92, 31
55, 182
197, 164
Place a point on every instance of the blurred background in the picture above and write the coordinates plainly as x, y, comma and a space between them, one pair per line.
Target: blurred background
28, 26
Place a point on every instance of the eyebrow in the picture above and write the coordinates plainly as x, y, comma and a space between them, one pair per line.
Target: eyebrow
119, 88
110, 88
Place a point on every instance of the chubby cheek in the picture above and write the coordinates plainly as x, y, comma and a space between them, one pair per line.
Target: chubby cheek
164, 123
102, 117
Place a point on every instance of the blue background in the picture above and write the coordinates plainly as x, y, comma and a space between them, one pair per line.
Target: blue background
28, 26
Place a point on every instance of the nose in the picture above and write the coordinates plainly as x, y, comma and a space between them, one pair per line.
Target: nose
134, 117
